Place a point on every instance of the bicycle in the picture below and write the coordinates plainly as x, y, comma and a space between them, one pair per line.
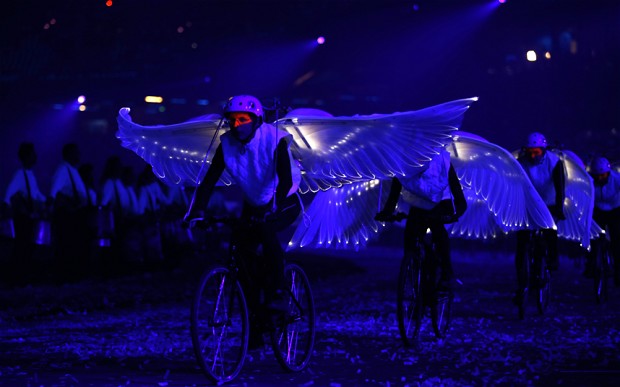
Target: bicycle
228, 303
417, 291
534, 269
603, 267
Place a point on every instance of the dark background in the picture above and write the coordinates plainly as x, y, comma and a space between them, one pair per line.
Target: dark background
380, 56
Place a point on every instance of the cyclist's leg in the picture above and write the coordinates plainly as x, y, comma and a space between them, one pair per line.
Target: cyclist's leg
553, 259
521, 265
588, 271
273, 252
441, 240
613, 226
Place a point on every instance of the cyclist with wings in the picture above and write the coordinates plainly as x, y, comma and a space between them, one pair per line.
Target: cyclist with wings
257, 156
436, 198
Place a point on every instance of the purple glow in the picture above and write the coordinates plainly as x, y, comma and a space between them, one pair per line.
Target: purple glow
81, 99
501, 1
320, 40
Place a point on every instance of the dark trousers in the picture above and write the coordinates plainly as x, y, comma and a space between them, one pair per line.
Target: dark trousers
418, 221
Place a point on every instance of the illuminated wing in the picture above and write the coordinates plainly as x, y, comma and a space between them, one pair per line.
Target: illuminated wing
579, 202
500, 196
333, 151
176, 152
341, 217
500, 199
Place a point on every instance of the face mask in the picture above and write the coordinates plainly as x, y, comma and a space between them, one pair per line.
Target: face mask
244, 132
534, 155
242, 126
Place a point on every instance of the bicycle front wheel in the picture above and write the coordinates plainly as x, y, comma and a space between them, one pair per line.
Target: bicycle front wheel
544, 284
293, 336
409, 306
441, 313
219, 325
601, 274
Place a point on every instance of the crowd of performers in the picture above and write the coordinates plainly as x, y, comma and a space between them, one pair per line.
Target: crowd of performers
120, 222
129, 221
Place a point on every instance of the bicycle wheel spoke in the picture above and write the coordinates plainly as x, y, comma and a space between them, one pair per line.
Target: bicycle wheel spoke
219, 325
293, 338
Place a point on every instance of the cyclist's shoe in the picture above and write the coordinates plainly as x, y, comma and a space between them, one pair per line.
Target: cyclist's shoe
553, 264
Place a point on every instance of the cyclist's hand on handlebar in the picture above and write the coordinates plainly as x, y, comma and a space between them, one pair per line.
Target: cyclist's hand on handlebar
189, 220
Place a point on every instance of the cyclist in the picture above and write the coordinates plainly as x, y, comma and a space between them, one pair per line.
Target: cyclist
606, 210
436, 198
256, 155
546, 171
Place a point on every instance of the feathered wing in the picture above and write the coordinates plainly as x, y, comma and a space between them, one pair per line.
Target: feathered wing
500, 196
176, 152
579, 202
500, 199
333, 151
341, 217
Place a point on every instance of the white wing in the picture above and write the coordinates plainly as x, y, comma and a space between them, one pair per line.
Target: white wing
579, 202
176, 152
341, 217
500, 196
500, 199
333, 151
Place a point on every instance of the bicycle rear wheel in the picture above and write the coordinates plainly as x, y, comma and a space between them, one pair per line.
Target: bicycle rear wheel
293, 337
219, 325
601, 274
441, 313
543, 278
409, 303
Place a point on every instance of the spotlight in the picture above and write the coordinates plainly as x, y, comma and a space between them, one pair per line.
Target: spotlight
531, 56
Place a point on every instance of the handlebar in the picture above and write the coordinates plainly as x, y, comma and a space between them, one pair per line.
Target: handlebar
397, 217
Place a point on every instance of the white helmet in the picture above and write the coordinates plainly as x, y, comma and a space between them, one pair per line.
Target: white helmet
244, 103
536, 140
599, 165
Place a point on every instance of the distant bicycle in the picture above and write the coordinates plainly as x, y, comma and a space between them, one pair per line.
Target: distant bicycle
534, 268
603, 267
229, 302
417, 292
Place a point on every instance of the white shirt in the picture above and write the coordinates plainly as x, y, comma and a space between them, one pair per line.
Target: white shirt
18, 185
252, 165
426, 189
62, 182
607, 197
541, 176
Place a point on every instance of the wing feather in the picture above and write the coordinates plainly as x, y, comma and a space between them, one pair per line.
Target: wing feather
178, 152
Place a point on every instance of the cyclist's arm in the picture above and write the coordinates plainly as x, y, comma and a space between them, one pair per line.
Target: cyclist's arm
205, 189
392, 200
559, 183
460, 204
283, 169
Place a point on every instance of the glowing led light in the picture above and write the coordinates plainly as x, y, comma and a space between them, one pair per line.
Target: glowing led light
81, 99
153, 99
547, 55
82, 108
108, 3
531, 56
320, 40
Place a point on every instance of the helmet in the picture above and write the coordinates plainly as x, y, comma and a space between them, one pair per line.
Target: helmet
244, 103
536, 140
599, 165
